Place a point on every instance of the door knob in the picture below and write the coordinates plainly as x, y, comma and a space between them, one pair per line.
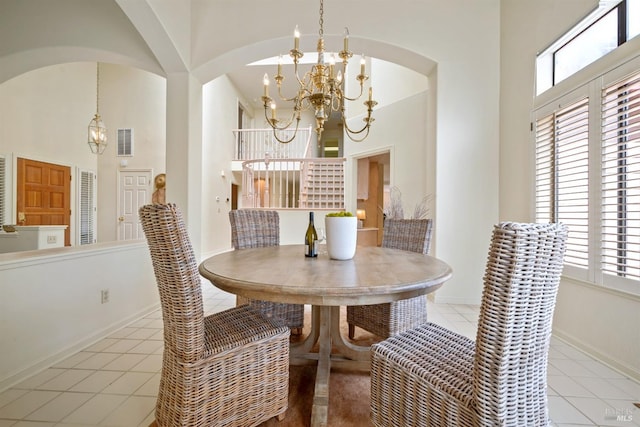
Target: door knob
121, 218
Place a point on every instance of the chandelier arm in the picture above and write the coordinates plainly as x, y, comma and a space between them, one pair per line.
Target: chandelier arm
306, 79
355, 132
357, 97
283, 98
293, 136
351, 133
273, 121
354, 99
295, 71
336, 101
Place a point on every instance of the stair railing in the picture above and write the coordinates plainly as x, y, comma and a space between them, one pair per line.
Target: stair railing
278, 183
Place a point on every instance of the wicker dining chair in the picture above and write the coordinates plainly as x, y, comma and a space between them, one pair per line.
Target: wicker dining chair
430, 376
385, 320
258, 228
227, 369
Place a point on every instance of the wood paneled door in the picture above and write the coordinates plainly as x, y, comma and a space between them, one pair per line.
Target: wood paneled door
44, 195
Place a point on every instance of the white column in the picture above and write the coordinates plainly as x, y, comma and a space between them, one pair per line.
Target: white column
184, 150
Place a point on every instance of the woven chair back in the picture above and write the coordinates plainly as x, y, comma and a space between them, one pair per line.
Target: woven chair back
253, 228
407, 234
514, 327
178, 280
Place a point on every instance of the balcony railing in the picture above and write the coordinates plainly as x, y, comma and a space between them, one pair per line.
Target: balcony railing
251, 144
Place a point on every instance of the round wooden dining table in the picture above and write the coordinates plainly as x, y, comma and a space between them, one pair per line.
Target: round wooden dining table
283, 274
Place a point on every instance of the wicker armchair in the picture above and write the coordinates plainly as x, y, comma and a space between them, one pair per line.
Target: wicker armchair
430, 376
227, 369
389, 319
254, 228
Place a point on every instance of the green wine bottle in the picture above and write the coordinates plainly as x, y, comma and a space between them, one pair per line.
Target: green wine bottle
311, 239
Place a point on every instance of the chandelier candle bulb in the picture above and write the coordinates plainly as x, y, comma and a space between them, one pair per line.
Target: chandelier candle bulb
332, 64
273, 110
265, 81
346, 39
362, 62
279, 65
296, 38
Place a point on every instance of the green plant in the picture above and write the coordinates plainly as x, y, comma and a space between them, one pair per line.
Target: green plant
338, 214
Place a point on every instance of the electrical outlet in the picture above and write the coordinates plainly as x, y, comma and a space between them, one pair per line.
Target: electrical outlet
52, 239
104, 296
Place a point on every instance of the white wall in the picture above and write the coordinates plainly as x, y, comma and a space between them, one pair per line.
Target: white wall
601, 321
220, 116
401, 129
50, 301
392, 83
44, 116
136, 99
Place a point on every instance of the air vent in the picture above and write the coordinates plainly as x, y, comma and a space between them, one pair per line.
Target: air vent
125, 142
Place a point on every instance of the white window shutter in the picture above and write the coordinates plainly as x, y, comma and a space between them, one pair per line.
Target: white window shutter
88, 208
562, 176
621, 178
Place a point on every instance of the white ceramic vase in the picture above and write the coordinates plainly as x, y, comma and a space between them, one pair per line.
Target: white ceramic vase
342, 234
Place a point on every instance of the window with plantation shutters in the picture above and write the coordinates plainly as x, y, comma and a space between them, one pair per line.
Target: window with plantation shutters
620, 231
587, 175
562, 176
87, 217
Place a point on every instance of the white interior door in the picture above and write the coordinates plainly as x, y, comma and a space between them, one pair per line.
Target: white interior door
134, 188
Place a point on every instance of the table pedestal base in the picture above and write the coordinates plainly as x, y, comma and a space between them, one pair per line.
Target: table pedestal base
325, 331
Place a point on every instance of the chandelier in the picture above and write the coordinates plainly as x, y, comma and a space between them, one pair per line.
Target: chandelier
97, 138
320, 89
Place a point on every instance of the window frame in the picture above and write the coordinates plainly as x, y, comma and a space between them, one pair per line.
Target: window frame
592, 90
545, 68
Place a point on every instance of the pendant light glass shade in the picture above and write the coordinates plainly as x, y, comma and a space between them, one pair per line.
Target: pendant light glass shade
97, 135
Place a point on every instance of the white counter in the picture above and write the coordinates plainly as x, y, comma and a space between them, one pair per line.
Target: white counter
32, 237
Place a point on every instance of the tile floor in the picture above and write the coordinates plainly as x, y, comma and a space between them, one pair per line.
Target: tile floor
114, 382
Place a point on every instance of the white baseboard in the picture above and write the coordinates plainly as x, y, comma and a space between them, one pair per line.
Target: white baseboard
601, 357
50, 360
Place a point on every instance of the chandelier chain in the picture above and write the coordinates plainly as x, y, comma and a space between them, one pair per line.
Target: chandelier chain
97, 87
321, 21
97, 132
